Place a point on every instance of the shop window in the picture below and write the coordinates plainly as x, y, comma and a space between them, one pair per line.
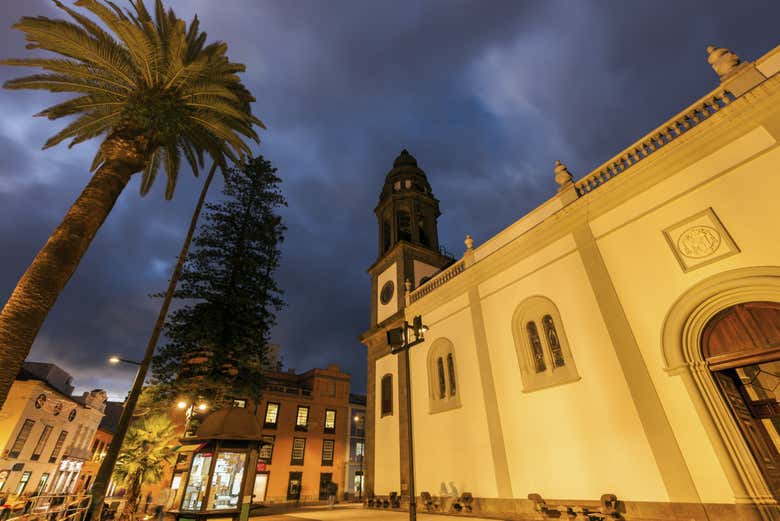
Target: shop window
271, 415
196, 484
298, 451
227, 480
302, 419
21, 439
327, 452
387, 395
36, 455
267, 449
442, 377
543, 351
330, 421
55, 453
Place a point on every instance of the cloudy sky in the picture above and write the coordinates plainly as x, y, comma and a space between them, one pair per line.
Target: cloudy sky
486, 95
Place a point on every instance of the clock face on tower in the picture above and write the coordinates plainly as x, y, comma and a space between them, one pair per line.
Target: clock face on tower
386, 295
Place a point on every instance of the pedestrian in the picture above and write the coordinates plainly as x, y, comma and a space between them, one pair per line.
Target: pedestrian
148, 500
332, 489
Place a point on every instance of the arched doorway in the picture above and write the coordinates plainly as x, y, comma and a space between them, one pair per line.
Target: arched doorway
741, 345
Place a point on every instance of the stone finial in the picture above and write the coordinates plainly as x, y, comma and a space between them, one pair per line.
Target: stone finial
408, 285
469, 242
723, 61
562, 174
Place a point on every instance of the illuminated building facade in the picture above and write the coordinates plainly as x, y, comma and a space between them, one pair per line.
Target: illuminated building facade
45, 433
623, 338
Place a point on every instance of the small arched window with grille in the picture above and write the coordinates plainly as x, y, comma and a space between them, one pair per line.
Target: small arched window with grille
442, 376
543, 351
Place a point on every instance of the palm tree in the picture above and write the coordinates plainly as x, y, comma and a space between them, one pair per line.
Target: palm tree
146, 455
156, 92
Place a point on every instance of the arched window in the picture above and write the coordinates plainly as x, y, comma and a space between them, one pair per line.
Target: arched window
542, 348
386, 401
442, 376
404, 225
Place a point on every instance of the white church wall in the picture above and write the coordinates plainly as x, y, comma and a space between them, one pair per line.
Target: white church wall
740, 182
576, 440
452, 447
387, 473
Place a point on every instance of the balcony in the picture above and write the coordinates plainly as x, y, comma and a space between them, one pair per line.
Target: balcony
77, 453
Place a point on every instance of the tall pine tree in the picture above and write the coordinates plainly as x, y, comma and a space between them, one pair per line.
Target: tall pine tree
218, 339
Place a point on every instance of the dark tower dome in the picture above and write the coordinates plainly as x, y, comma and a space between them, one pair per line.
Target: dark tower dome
407, 210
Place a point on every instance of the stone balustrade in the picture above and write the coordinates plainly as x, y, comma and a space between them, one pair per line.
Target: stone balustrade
440, 279
664, 134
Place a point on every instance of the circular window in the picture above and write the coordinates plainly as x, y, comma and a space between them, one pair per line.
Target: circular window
387, 292
40, 401
72, 415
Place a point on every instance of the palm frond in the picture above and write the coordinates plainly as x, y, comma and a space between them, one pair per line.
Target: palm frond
145, 73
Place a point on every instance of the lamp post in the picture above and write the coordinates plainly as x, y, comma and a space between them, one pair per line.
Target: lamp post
398, 339
361, 456
103, 477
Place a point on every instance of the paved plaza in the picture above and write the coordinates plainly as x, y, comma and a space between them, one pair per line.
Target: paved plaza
357, 512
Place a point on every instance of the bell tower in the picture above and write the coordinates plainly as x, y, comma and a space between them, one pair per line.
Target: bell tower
408, 250
408, 246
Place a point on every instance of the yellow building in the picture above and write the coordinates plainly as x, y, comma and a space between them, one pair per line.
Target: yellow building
622, 338
45, 433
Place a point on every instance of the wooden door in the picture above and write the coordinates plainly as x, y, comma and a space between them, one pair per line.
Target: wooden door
753, 429
742, 346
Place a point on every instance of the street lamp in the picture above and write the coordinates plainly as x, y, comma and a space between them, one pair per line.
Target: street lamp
398, 339
191, 411
115, 360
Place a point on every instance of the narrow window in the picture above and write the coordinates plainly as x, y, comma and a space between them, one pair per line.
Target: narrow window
21, 439
330, 421
58, 446
36, 455
298, 451
23, 482
553, 341
271, 415
536, 347
386, 236
266, 449
451, 371
44, 480
404, 226
440, 372
387, 394
327, 452
302, 419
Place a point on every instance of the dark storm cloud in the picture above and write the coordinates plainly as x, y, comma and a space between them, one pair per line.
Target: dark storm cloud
486, 95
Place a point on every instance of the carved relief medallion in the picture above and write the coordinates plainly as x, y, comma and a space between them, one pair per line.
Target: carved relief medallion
699, 240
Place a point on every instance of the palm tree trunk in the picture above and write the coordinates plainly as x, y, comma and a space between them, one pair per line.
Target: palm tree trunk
38, 289
132, 496
103, 477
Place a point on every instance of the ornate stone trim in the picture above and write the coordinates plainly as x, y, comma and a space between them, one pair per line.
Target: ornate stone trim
681, 344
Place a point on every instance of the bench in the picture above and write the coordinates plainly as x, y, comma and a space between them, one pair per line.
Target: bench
608, 509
